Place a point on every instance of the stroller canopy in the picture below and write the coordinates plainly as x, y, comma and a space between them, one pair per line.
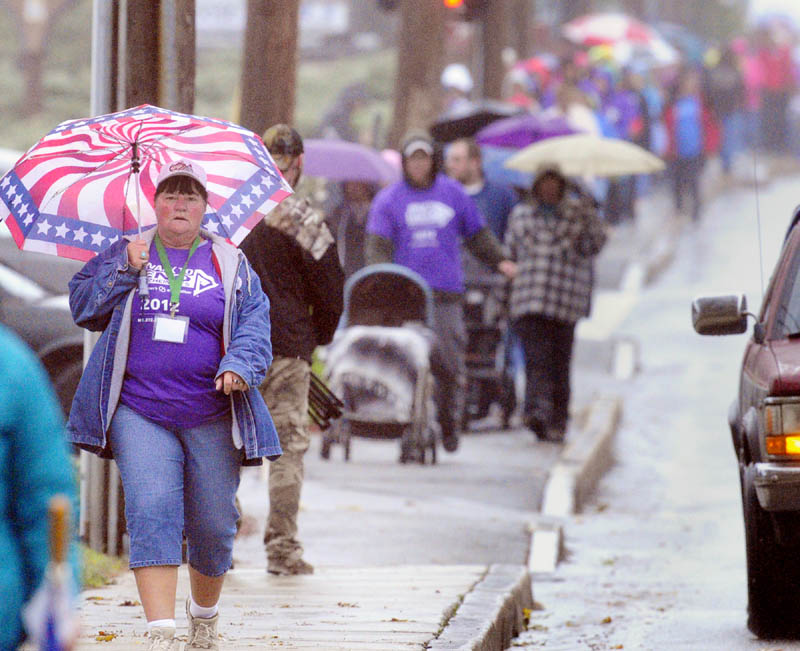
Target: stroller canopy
386, 295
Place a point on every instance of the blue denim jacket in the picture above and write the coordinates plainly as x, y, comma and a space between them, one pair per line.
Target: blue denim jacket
100, 297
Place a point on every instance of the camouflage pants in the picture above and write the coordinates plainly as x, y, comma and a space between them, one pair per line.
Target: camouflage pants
285, 390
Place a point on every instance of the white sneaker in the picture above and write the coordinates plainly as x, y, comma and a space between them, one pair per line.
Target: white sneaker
202, 632
162, 639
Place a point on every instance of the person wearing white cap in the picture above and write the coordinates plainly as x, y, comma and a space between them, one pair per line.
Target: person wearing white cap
170, 392
420, 222
457, 84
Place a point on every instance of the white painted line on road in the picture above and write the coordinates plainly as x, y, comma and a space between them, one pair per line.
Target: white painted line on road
545, 548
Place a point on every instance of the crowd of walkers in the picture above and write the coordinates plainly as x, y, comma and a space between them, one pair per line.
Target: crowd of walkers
733, 98
183, 394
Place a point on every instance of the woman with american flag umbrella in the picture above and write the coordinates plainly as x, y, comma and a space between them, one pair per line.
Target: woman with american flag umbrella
170, 389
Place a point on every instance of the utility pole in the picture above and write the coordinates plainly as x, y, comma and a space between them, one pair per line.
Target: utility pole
132, 63
269, 68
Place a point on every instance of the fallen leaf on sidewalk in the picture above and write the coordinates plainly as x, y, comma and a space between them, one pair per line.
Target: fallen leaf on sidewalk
102, 636
344, 604
129, 602
605, 620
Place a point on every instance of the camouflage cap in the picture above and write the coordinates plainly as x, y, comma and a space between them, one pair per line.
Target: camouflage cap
284, 144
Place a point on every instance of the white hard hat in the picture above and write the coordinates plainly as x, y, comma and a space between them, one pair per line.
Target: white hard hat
456, 75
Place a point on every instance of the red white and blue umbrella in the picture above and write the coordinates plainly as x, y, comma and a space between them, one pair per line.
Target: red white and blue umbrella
628, 37
90, 181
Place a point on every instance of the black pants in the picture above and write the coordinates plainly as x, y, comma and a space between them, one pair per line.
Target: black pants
548, 352
686, 181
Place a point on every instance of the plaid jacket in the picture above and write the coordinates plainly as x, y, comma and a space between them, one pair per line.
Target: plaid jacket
555, 259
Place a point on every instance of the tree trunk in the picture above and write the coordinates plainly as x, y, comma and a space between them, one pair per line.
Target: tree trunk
496, 37
575, 8
636, 8
521, 11
177, 55
420, 60
32, 23
138, 80
269, 68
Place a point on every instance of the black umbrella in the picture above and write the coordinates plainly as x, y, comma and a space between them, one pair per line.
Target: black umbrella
465, 121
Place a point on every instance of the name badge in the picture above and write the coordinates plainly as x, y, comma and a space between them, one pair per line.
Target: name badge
170, 329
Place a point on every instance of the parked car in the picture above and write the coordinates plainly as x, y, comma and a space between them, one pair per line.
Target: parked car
764, 421
38, 311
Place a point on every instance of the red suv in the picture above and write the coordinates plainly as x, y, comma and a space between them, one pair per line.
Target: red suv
765, 425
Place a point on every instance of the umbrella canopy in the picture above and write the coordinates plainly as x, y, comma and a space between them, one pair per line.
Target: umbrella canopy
89, 182
466, 121
340, 160
521, 130
585, 154
691, 45
629, 38
495, 171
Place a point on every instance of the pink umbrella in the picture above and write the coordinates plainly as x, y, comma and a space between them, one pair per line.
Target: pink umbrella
91, 181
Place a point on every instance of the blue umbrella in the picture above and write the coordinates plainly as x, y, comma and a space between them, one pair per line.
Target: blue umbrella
493, 160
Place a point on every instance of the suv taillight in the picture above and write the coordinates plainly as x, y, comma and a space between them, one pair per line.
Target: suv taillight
782, 428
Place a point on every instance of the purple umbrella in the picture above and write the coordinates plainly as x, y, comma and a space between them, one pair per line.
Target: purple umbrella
520, 131
340, 160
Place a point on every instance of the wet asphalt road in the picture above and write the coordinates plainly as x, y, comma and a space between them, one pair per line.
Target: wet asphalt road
656, 561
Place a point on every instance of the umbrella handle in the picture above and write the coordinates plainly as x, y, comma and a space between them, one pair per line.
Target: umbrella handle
143, 289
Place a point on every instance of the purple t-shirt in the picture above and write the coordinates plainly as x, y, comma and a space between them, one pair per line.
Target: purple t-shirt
169, 383
426, 228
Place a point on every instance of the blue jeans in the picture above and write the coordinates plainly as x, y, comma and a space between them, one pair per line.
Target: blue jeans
176, 481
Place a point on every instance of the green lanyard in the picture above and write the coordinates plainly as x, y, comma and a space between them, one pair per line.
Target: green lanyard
175, 283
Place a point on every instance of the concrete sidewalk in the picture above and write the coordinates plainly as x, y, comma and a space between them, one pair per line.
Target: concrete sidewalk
433, 606
430, 606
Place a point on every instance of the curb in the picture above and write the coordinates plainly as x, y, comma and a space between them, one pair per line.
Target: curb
572, 479
491, 614
658, 257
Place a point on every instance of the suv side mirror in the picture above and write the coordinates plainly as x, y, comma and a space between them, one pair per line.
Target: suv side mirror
720, 315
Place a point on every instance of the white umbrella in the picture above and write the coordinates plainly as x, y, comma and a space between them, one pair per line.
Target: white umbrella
583, 154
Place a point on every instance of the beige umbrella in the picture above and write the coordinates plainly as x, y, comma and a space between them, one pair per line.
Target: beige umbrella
583, 154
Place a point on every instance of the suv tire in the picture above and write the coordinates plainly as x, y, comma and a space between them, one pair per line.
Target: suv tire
772, 576
65, 380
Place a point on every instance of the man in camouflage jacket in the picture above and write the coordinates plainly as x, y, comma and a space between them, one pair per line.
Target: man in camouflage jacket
554, 240
295, 256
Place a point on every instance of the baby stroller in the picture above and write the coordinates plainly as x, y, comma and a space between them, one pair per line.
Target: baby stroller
379, 363
489, 376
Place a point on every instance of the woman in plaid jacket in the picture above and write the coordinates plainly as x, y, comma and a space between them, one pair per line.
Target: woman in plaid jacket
554, 240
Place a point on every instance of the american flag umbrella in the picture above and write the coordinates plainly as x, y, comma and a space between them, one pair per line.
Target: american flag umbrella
90, 181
